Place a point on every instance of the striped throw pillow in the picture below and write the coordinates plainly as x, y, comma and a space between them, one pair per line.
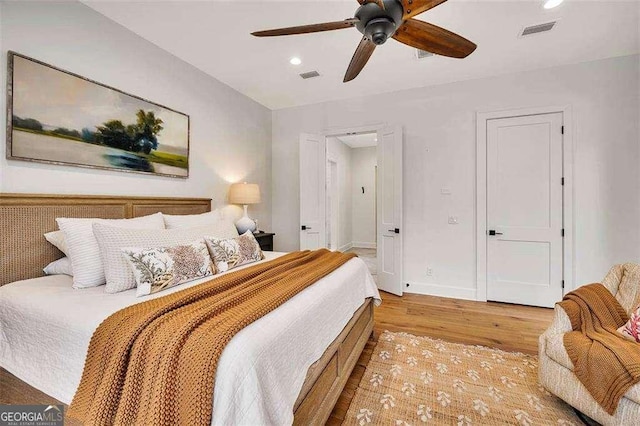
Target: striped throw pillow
83, 250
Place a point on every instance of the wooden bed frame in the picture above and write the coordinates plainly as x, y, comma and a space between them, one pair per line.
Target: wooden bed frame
24, 218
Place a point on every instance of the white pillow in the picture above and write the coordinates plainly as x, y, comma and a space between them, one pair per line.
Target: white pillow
59, 267
57, 239
192, 220
224, 228
112, 240
83, 248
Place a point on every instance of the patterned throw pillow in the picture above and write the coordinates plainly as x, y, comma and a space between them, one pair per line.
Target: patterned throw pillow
111, 240
631, 330
233, 252
159, 268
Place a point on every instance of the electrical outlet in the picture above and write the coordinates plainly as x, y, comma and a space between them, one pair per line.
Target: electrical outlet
453, 220
429, 272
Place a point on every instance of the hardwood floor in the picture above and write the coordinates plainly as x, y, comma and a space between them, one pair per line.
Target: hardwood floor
498, 325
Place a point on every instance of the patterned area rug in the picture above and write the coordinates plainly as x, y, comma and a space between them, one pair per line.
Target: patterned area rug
417, 380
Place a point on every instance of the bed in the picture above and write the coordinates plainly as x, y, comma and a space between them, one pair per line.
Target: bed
290, 366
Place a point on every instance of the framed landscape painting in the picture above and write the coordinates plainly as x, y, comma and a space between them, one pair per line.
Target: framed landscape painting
58, 117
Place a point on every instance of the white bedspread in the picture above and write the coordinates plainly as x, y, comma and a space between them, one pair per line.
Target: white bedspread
46, 326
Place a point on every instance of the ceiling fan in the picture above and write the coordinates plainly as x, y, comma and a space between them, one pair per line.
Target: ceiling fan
378, 20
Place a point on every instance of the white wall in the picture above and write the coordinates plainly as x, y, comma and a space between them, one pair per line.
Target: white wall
363, 174
356, 211
230, 134
341, 154
439, 152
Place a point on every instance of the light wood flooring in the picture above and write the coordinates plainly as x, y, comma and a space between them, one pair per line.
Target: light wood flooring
497, 325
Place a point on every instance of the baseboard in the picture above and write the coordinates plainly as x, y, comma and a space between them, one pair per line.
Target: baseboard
357, 244
441, 291
345, 247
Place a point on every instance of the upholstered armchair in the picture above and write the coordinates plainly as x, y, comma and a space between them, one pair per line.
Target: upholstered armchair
556, 368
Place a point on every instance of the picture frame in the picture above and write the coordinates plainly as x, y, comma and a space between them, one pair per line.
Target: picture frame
55, 116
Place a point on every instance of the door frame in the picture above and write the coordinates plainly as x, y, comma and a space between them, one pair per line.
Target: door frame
568, 255
335, 200
377, 128
341, 131
371, 128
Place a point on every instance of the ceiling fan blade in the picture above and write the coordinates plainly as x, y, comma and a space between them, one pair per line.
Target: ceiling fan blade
416, 7
434, 39
360, 58
305, 29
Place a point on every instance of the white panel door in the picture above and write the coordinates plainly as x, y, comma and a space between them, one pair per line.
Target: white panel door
389, 210
312, 191
524, 209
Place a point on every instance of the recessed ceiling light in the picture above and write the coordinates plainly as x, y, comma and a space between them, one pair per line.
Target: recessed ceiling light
295, 61
550, 4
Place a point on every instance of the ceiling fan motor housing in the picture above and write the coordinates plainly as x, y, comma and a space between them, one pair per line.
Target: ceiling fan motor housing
379, 24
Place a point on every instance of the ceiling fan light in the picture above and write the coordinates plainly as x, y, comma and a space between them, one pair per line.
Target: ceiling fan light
295, 61
550, 4
379, 30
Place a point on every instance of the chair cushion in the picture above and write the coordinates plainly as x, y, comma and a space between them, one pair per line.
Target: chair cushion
629, 290
634, 394
624, 282
556, 351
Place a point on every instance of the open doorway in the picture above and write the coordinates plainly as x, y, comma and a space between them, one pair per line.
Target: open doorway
351, 195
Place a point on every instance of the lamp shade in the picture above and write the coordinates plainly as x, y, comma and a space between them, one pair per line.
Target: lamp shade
244, 193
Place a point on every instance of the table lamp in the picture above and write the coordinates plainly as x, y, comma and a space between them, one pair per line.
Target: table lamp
245, 194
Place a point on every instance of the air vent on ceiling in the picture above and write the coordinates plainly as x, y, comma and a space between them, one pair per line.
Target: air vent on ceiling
310, 74
421, 54
540, 28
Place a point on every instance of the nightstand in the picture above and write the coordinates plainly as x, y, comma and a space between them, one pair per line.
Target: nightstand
265, 239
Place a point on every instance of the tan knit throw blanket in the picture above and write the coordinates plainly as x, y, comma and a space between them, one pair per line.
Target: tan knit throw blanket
154, 363
606, 364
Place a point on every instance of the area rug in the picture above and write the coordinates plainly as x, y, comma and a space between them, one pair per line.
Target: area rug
414, 380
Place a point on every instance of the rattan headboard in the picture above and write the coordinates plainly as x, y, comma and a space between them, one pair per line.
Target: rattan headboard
24, 218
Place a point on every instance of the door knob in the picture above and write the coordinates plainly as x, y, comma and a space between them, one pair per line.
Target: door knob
305, 228
395, 230
493, 232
